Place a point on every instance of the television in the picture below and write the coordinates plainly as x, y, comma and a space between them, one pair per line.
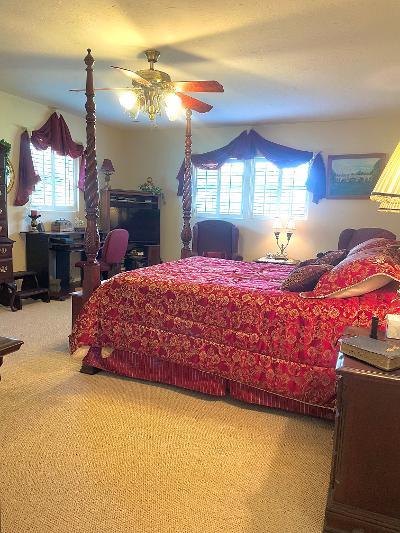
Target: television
141, 220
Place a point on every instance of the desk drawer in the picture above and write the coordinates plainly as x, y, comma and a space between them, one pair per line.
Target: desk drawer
6, 251
6, 270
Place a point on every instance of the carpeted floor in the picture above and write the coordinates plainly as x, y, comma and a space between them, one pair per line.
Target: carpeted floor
106, 454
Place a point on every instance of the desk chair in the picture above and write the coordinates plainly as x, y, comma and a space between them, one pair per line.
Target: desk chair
112, 253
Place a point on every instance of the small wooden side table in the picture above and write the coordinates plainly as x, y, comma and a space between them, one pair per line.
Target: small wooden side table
8, 346
364, 492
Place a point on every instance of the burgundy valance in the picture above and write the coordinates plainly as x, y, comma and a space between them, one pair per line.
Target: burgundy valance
247, 145
55, 134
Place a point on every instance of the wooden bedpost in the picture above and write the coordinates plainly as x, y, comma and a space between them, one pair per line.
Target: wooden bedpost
91, 269
186, 234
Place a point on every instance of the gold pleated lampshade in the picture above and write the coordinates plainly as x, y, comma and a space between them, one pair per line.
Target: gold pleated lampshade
387, 188
392, 205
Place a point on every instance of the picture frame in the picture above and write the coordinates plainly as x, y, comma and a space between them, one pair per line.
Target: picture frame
353, 176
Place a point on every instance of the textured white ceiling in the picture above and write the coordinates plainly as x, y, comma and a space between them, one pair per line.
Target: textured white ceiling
278, 60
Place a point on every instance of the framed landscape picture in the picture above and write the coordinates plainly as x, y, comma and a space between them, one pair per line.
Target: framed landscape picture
353, 175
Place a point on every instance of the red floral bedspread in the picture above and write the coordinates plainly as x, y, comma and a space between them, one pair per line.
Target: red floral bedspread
228, 318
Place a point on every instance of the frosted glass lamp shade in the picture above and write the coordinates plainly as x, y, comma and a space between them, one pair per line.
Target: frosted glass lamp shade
387, 188
281, 225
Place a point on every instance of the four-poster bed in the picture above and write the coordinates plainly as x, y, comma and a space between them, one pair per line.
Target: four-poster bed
210, 325
91, 268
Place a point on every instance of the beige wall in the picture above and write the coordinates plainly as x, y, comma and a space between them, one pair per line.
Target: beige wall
158, 152
17, 114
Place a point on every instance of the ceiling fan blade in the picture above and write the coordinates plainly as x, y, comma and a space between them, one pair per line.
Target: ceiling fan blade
199, 86
101, 89
131, 74
193, 103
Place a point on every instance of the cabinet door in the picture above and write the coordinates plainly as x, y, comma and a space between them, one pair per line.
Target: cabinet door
367, 469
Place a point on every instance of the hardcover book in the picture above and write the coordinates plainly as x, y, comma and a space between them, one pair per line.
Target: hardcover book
382, 354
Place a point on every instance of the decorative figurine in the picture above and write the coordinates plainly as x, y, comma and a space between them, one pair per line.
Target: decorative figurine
34, 215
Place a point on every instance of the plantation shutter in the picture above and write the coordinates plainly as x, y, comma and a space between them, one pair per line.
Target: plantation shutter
231, 188
293, 200
206, 191
56, 189
266, 189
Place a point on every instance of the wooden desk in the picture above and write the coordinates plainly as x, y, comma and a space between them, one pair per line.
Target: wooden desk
364, 493
7, 346
49, 254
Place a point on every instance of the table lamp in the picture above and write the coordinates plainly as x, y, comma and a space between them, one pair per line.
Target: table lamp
107, 168
281, 226
387, 188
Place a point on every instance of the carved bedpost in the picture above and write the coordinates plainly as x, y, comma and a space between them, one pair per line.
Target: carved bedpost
91, 270
186, 234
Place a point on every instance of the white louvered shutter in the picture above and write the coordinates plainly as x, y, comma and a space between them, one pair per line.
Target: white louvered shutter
279, 192
206, 191
293, 200
266, 189
220, 191
231, 188
57, 187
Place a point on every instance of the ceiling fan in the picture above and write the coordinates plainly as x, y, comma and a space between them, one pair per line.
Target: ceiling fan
153, 90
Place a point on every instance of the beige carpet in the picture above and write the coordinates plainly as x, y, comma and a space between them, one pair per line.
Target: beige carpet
106, 454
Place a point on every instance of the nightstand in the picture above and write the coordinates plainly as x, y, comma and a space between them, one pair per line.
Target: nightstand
364, 492
277, 261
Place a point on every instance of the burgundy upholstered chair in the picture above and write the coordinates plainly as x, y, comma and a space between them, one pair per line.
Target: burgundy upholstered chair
112, 253
351, 237
216, 238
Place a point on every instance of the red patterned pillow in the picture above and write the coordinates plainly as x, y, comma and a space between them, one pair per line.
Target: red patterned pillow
356, 275
304, 278
373, 244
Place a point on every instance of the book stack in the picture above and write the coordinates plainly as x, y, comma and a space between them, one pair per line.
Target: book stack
382, 354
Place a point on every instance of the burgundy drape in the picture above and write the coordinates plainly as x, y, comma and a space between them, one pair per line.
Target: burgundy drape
55, 134
27, 177
247, 145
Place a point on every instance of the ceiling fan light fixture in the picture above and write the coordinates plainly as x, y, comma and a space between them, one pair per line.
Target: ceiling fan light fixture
128, 100
153, 92
173, 106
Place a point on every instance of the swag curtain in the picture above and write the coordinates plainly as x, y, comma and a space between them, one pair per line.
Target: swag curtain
247, 145
55, 134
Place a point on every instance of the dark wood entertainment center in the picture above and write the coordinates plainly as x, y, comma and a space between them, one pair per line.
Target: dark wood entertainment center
139, 213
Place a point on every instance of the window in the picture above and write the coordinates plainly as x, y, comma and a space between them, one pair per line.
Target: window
255, 188
220, 191
57, 188
279, 192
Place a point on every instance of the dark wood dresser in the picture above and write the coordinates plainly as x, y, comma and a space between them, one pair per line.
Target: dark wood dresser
6, 244
364, 493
